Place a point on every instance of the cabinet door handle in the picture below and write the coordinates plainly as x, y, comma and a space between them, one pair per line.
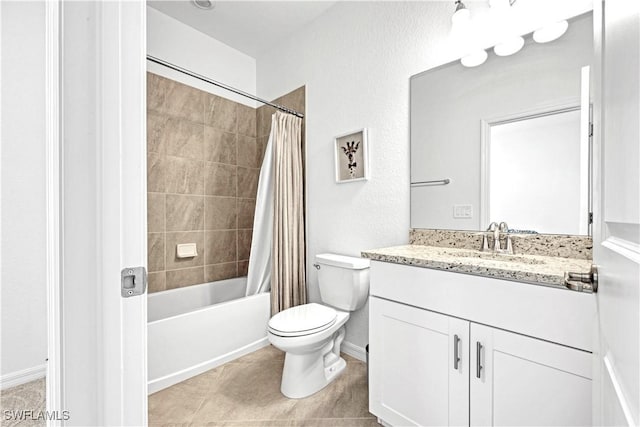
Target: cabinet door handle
456, 352
478, 362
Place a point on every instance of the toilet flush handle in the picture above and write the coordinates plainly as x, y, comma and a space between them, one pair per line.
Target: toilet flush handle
317, 266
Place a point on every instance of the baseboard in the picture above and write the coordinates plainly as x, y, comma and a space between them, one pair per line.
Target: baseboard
13, 379
354, 351
169, 380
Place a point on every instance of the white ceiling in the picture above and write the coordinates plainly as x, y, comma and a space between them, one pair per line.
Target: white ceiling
251, 27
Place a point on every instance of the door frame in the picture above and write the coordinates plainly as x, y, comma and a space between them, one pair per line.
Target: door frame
53, 176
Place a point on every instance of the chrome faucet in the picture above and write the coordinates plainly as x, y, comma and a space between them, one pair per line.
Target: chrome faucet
496, 229
496, 238
485, 241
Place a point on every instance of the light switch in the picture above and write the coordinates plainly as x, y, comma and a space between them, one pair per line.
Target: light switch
187, 250
463, 211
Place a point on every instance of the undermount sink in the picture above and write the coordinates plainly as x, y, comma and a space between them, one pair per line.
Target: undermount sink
494, 257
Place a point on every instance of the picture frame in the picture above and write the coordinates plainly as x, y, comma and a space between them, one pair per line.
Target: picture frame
351, 152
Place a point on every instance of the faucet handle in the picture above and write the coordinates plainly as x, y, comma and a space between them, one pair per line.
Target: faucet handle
503, 227
509, 248
485, 243
493, 226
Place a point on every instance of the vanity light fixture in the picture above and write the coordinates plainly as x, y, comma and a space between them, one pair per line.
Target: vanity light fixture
203, 4
475, 58
461, 15
509, 46
510, 42
550, 32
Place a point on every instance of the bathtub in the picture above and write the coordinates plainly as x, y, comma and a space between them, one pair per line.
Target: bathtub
196, 328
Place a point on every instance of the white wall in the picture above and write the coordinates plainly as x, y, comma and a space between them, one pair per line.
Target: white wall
23, 260
356, 60
175, 42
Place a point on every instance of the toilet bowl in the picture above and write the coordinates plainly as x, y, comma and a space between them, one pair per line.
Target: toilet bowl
312, 357
311, 334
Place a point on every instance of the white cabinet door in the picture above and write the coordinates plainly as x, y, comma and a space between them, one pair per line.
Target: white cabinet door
414, 379
518, 380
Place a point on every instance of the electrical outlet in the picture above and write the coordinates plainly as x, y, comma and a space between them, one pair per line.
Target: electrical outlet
463, 211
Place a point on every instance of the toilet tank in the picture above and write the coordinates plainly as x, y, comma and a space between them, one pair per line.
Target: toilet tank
343, 281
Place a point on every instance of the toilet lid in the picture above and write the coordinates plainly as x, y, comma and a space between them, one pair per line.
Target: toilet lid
302, 320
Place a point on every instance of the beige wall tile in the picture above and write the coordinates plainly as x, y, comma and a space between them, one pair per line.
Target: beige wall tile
156, 282
185, 277
246, 211
184, 176
220, 179
155, 172
155, 252
220, 246
243, 268
247, 120
264, 114
155, 124
220, 271
219, 146
155, 92
155, 212
221, 113
184, 213
172, 262
175, 99
249, 154
220, 213
262, 147
294, 99
247, 182
183, 138
244, 244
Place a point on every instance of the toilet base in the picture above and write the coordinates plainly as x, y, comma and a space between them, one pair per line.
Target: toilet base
302, 377
306, 374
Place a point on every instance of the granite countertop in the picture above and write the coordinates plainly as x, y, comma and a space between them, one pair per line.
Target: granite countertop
536, 269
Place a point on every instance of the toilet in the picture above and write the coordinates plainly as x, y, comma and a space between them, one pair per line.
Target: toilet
311, 334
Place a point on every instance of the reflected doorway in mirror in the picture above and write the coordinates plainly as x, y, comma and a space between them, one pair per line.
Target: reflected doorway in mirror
351, 157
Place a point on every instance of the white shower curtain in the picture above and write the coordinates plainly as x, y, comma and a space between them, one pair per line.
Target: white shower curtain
259, 274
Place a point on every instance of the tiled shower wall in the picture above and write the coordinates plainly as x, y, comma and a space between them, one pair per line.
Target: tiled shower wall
203, 161
203, 164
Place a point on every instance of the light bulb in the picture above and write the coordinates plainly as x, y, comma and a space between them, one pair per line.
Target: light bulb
461, 17
474, 58
550, 32
509, 46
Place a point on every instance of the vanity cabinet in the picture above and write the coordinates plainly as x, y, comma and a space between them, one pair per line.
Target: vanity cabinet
414, 377
518, 380
435, 361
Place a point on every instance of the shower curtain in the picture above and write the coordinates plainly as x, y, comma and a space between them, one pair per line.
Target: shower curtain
259, 273
278, 248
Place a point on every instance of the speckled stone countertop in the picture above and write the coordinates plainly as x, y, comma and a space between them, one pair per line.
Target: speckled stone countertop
536, 269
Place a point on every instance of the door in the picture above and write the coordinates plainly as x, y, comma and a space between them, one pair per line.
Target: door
418, 366
617, 212
518, 380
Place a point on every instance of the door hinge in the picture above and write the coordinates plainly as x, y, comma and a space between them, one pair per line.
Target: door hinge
590, 129
590, 217
133, 281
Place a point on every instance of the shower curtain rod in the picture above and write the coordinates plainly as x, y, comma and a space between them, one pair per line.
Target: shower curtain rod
221, 85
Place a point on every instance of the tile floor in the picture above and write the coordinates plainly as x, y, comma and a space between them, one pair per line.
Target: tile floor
246, 392
29, 396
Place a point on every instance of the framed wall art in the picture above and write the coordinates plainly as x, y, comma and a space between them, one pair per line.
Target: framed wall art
352, 156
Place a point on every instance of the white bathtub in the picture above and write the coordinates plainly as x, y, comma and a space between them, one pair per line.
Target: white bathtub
196, 328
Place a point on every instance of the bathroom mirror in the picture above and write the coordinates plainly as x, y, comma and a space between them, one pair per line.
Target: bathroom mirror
507, 140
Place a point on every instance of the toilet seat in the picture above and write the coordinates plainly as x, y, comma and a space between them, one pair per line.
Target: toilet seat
302, 320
